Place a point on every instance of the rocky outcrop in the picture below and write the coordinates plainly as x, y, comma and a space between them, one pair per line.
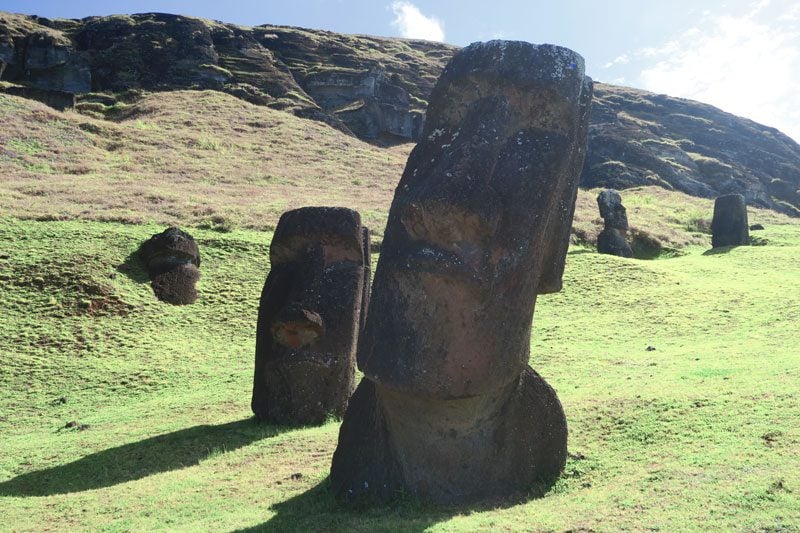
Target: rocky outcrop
377, 89
43, 56
641, 138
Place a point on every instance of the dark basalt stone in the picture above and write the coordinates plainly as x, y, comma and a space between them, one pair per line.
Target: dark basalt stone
449, 409
172, 260
729, 226
613, 239
310, 314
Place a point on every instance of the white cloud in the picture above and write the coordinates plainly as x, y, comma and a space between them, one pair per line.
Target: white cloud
411, 23
747, 65
619, 60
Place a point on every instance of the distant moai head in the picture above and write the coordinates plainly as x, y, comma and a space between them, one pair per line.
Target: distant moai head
611, 209
172, 260
612, 240
310, 315
729, 227
480, 221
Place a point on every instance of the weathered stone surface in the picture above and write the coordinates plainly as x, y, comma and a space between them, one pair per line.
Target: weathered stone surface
729, 226
613, 239
449, 409
177, 285
172, 260
310, 316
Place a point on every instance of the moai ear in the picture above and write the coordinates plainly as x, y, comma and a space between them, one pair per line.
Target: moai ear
560, 223
367, 284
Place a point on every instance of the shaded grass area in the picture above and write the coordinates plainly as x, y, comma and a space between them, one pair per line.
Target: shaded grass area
678, 377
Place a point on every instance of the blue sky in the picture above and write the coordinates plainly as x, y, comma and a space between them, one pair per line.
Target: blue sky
740, 55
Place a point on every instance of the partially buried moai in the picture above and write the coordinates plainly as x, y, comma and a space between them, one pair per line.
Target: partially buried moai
729, 226
310, 315
613, 239
172, 260
449, 409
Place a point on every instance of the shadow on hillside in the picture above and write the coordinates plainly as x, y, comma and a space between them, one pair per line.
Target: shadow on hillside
318, 510
719, 250
137, 460
133, 267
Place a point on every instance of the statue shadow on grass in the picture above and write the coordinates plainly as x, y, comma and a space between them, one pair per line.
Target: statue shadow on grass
134, 268
317, 509
171, 451
719, 250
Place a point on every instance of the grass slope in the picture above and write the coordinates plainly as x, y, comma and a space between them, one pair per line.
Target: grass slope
700, 432
206, 159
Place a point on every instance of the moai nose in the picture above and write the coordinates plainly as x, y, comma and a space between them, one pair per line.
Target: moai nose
296, 327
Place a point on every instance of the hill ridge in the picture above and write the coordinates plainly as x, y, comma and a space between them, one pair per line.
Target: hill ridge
376, 88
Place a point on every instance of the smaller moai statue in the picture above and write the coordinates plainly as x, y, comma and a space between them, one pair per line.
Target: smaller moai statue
172, 260
729, 226
613, 239
311, 311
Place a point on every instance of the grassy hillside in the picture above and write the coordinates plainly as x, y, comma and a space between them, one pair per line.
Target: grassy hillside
119, 412
206, 159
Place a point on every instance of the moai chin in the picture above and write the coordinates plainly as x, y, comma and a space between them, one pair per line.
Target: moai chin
310, 315
612, 240
172, 260
729, 227
449, 409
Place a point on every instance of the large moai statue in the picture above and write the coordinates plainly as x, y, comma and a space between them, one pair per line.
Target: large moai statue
729, 226
613, 239
448, 409
172, 260
310, 316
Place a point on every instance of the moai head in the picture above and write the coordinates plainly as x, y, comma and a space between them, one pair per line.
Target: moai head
729, 227
310, 315
611, 209
480, 222
171, 259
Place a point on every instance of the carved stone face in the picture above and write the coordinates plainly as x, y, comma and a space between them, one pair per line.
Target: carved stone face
478, 227
611, 210
310, 315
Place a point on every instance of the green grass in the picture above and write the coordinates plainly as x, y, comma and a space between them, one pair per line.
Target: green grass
701, 432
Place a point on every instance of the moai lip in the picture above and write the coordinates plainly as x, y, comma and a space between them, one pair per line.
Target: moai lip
172, 260
310, 315
449, 409
613, 239
729, 227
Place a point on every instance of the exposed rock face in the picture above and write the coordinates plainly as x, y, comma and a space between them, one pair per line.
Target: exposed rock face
729, 226
378, 89
613, 239
42, 56
310, 316
449, 409
641, 138
172, 260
